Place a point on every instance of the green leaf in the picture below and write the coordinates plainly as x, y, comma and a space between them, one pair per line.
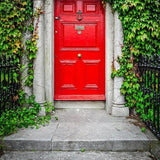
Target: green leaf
125, 7
56, 118
82, 149
129, 65
143, 129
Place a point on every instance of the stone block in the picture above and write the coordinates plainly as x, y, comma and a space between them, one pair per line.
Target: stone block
119, 111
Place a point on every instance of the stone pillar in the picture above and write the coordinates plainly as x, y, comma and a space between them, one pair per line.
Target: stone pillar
109, 57
49, 50
118, 108
38, 82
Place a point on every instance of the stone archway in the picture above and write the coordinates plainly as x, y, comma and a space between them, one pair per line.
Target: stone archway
44, 64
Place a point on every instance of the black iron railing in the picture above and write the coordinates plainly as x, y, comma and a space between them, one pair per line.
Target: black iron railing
9, 82
149, 67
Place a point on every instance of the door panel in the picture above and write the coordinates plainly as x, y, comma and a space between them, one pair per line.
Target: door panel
73, 37
79, 50
91, 74
68, 82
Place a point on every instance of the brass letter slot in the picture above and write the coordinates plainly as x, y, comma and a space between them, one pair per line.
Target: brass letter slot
79, 28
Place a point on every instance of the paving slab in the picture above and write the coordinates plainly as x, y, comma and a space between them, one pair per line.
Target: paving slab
76, 156
93, 130
31, 139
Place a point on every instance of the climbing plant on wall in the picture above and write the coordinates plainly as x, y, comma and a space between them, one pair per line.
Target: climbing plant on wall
141, 26
16, 20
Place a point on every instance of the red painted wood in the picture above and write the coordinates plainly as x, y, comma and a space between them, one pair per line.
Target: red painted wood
79, 78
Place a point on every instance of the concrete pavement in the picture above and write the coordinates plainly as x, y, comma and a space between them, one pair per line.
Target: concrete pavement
91, 129
53, 155
76, 129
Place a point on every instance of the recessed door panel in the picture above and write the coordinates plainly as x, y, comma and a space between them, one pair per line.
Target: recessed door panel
79, 50
80, 35
91, 74
68, 82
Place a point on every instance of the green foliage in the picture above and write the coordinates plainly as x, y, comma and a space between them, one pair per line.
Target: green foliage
143, 129
56, 118
48, 108
24, 116
16, 19
141, 25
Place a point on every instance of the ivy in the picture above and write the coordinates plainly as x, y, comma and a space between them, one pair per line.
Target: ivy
141, 25
23, 117
16, 20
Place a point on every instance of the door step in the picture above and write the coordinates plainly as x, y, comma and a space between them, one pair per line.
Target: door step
92, 130
80, 104
76, 155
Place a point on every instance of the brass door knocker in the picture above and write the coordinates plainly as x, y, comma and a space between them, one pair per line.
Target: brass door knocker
79, 15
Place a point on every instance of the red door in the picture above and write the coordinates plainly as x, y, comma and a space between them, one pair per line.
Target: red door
79, 50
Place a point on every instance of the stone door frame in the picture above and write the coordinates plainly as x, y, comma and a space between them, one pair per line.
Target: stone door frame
43, 85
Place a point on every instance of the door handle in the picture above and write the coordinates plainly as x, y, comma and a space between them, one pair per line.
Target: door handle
79, 55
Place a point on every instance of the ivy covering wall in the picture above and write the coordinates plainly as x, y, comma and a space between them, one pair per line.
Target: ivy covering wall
16, 19
141, 25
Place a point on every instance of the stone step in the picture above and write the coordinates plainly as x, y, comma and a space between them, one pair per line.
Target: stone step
37, 155
51, 145
80, 104
92, 130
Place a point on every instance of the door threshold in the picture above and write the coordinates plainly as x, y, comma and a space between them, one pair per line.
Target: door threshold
79, 104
